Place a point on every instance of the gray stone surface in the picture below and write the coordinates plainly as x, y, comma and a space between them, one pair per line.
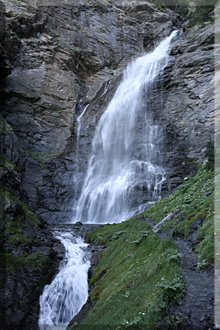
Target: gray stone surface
56, 57
66, 55
64, 62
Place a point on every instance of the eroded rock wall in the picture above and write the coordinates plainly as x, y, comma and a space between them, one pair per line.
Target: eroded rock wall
57, 58
183, 102
68, 55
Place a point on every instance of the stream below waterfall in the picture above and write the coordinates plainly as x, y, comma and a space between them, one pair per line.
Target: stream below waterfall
68, 292
115, 171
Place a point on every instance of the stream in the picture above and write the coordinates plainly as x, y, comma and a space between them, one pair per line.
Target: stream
68, 292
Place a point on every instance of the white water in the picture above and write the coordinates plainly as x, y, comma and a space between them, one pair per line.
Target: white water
68, 292
79, 123
79, 174
122, 160
114, 172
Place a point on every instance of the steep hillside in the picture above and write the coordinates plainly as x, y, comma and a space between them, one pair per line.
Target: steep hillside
157, 277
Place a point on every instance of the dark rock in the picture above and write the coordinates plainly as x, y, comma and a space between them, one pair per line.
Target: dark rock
57, 59
67, 65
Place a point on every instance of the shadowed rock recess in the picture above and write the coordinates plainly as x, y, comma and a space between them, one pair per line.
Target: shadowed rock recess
56, 58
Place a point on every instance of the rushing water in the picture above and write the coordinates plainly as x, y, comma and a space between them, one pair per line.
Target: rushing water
65, 296
123, 159
79, 122
114, 172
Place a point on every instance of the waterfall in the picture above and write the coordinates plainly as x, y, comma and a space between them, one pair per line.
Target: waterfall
79, 123
123, 159
65, 296
115, 172
78, 175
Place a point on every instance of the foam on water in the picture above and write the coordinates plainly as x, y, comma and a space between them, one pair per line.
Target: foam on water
68, 292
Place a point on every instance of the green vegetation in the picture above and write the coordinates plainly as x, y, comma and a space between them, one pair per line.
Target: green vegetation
201, 12
43, 157
210, 154
217, 154
12, 263
137, 278
195, 201
10, 199
5, 128
197, 11
205, 247
16, 224
4, 162
138, 275
16, 237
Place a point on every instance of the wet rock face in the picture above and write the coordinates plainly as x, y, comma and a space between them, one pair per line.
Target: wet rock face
58, 58
27, 259
192, 81
63, 62
188, 92
70, 55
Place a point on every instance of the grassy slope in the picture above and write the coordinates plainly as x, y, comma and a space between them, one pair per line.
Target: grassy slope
138, 275
195, 201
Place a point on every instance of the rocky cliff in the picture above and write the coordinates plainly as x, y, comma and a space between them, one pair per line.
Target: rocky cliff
58, 58
62, 62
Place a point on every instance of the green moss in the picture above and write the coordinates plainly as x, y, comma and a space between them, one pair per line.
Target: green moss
205, 248
192, 35
197, 11
10, 198
137, 278
210, 154
160, 4
202, 14
12, 263
195, 201
5, 128
15, 236
17, 227
43, 157
30, 216
4, 162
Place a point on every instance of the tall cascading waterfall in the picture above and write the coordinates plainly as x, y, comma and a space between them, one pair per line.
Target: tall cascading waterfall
79, 171
122, 159
114, 171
